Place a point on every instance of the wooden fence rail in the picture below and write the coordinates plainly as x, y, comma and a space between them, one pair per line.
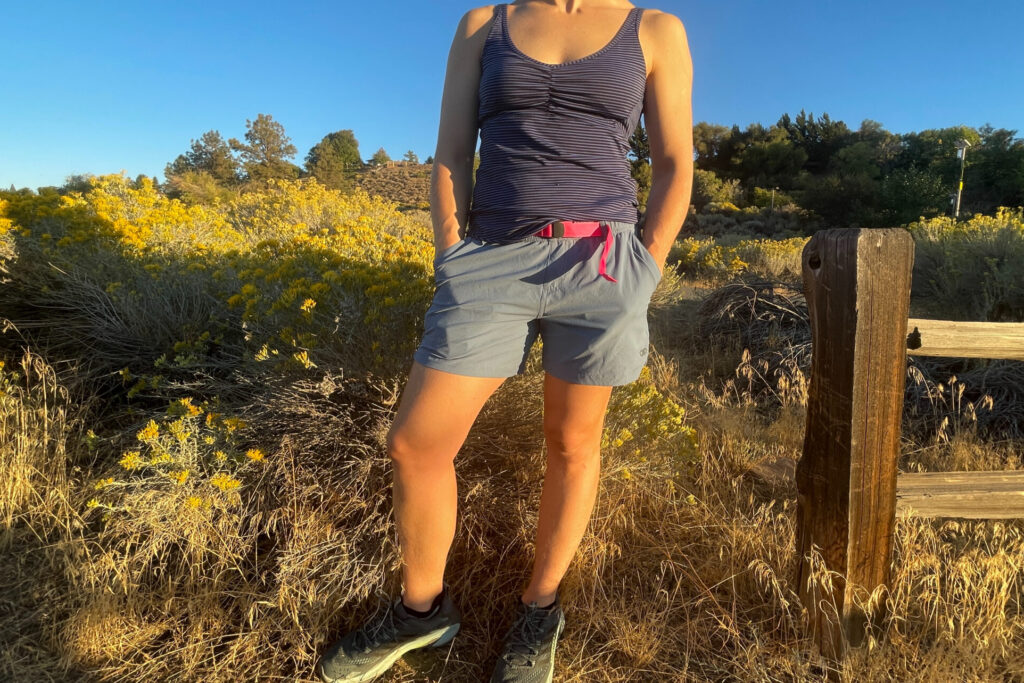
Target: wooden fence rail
964, 339
857, 286
970, 495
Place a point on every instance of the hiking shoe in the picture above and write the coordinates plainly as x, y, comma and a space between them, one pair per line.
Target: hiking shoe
370, 650
529, 655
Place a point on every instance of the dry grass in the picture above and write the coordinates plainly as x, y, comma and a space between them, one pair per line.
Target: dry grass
685, 573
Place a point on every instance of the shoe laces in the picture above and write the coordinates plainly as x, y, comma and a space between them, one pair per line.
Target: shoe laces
522, 638
377, 631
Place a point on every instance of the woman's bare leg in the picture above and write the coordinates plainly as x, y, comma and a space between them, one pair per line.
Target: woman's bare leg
573, 422
435, 413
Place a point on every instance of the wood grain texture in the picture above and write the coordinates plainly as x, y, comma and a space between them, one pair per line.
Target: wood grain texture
968, 495
857, 286
965, 339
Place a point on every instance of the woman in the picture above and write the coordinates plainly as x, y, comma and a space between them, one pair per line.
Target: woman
548, 246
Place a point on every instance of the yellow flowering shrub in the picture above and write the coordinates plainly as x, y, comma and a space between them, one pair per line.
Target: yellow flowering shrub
6, 224
971, 269
192, 452
711, 257
149, 222
299, 270
642, 423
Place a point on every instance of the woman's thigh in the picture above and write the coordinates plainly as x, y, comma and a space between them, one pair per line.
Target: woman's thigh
436, 411
574, 416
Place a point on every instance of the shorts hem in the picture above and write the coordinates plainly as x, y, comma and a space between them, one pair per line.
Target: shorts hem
577, 379
455, 369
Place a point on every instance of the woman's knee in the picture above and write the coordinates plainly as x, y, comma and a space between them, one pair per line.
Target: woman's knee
400, 448
573, 444
407, 449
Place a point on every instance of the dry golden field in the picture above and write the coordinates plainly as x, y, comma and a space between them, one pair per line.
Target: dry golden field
193, 402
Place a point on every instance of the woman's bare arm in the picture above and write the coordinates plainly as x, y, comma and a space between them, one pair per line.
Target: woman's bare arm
668, 114
451, 181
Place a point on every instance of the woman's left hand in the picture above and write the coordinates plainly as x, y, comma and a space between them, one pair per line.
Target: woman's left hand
659, 259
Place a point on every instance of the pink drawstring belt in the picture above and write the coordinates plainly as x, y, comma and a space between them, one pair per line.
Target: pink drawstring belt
582, 229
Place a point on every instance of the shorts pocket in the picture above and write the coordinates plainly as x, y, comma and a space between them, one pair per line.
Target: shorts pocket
646, 257
438, 258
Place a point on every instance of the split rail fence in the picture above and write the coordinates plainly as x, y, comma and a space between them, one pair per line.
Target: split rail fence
857, 286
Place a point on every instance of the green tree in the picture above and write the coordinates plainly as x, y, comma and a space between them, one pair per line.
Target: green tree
766, 198
996, 166
266, 151
209, 154
639, 156
820, 138
334, 160
907, 194
709, 188
887, 146
713, 147
411, 157
773, 160
935, 150
732, 148
78, 182
380, 157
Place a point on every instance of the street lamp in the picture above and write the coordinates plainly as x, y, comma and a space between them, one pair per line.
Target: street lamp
961, 153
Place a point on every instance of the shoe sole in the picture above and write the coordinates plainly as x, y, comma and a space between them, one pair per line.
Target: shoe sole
432, 639
551, 667
554, 644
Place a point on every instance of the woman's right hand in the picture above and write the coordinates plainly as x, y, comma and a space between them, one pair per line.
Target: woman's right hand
440, 248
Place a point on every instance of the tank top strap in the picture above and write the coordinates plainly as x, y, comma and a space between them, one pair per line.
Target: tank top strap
501, 9
637, 12
497, 32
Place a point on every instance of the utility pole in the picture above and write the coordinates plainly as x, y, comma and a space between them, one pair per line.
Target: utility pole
961, 153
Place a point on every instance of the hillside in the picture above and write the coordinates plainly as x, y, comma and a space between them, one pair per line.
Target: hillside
402, 182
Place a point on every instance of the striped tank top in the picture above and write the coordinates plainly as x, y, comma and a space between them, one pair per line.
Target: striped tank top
554, 137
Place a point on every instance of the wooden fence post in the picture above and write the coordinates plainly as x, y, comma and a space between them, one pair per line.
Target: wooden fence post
857, 286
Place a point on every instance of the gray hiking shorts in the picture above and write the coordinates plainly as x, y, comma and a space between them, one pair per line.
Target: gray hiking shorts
492, 300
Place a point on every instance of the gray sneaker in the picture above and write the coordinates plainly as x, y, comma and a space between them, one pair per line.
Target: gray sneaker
370, 650
529, 654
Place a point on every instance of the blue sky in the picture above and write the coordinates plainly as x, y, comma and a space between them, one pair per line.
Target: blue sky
105, 86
